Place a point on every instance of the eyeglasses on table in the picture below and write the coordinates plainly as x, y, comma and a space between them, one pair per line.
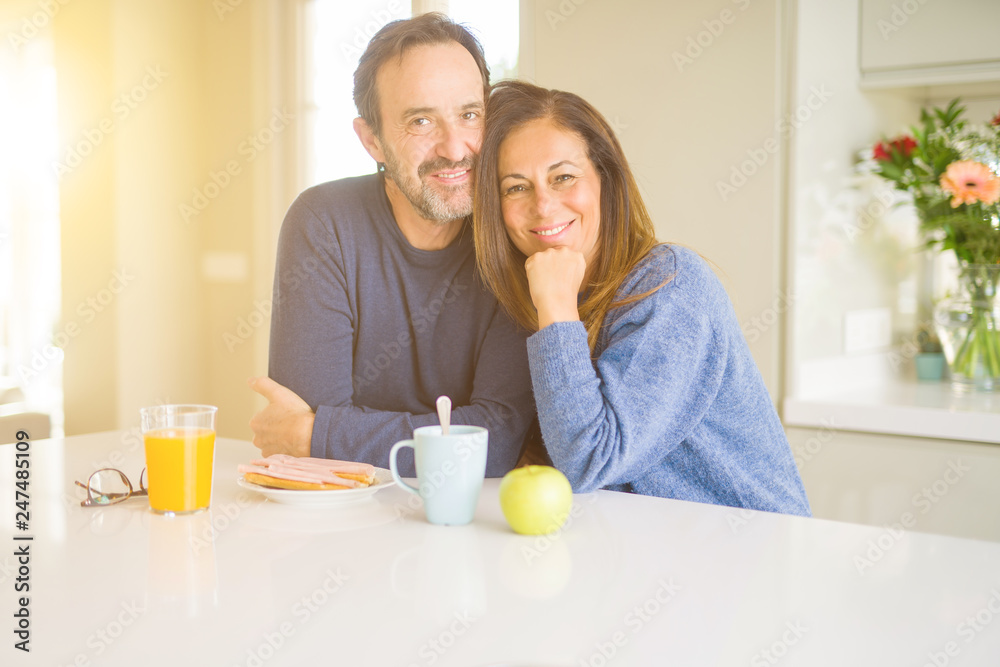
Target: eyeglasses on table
109, 486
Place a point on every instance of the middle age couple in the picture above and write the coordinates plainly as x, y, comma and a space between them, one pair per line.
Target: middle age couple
641, 377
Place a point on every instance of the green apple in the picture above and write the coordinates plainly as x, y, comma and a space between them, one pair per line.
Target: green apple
535, 499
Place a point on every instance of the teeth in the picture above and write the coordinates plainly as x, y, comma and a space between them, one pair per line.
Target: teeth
461, 173
551, 232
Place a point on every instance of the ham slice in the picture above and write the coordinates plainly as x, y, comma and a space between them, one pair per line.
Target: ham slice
298, 475
312, 464
310, 470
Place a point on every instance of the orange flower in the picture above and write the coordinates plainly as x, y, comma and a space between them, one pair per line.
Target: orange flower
969, 182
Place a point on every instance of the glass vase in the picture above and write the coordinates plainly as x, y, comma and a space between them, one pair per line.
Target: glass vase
967, 326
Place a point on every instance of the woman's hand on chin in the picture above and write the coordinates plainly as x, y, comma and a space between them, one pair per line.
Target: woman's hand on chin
554, 279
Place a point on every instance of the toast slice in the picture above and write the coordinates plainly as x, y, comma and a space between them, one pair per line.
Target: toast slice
276, 483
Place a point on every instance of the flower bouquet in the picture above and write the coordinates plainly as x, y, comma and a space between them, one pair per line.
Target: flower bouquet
951, 168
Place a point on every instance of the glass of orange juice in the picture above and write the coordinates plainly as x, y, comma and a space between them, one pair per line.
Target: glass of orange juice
180, 452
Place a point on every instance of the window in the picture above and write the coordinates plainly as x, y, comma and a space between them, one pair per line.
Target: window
29, 223
496, 26
336, 34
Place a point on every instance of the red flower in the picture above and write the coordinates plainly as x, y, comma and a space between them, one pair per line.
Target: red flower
996, 120
903, 145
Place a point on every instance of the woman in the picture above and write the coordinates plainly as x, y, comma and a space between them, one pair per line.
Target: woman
642, 378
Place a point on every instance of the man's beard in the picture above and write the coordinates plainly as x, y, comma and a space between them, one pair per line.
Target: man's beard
430, 203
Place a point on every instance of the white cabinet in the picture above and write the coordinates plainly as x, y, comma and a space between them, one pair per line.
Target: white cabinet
946, 487
928, 42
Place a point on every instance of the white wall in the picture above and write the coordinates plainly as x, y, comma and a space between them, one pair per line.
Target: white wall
175, 332
686, 126
161, 357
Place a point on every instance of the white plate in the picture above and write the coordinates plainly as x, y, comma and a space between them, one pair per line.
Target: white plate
320, 498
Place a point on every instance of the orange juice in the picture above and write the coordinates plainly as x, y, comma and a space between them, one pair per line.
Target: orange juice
179, 468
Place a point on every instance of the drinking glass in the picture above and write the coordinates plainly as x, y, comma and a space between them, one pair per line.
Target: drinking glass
180, 453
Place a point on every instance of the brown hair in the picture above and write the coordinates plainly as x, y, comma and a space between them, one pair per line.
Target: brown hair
626, 231
393, 41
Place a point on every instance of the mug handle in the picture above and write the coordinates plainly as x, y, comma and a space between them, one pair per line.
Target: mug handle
392, 466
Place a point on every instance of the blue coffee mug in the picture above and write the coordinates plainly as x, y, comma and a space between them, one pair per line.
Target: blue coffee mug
450, 471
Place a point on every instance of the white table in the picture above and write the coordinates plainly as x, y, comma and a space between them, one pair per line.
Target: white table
645, 580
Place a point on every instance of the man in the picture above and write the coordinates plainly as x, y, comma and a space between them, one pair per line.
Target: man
377, 309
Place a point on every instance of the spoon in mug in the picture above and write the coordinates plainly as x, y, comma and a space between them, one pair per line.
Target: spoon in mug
444, 413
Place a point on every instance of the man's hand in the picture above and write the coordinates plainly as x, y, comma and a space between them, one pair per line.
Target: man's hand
554, 279
285, 425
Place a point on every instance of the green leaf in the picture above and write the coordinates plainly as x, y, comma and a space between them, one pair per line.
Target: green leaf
892, 171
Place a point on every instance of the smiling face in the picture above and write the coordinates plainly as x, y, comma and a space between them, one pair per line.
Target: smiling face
431, 104
550, 193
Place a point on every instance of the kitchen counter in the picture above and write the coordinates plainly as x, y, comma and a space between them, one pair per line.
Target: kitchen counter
631, 580
901, 407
